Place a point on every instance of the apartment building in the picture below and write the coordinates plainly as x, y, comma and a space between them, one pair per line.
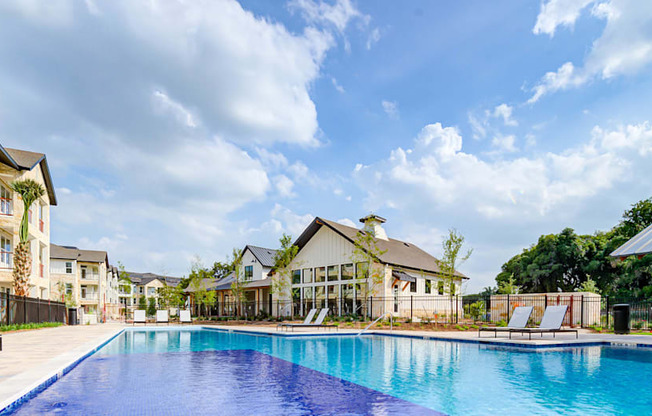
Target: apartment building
147, 285
19, 165
88, 280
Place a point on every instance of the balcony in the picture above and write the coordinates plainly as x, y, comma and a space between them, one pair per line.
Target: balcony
90, 277
89, 298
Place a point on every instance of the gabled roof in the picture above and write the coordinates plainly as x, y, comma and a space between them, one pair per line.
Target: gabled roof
639, 245
73, 253
396, 253
265, 256
144, 278
24, 160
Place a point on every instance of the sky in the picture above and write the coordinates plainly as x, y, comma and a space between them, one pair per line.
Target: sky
176, 129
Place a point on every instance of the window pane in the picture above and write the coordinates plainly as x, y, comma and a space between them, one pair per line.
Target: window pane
347, 271
428, 288
332, 273
440, 287
362, 271
320, 274
413, 287
296, 277
307, 275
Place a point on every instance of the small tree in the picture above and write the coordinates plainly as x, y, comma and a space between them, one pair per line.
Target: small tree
239, 285
124, 282
151, 306
198, 277
588, 285
29, 190
282, 279
508, 287
366, 258
450, 262
142, 303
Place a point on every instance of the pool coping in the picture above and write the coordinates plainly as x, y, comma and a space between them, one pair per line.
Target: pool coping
10, 404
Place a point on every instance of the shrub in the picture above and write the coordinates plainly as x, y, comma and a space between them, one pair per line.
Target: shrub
17, 327
637, 325
501, 323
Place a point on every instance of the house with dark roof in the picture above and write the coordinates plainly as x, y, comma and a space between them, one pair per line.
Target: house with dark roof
15, 165
86, 279
337, 267
146, 285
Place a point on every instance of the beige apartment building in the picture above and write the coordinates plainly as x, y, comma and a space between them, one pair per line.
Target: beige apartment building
146, 285
19, 165
88, 280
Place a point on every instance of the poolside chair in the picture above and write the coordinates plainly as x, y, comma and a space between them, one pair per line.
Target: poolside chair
140, 317
184, 317
319, 322
519, 319
306, 321
162, 317
551, 322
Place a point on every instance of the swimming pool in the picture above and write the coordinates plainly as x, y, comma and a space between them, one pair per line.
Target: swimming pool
206, 371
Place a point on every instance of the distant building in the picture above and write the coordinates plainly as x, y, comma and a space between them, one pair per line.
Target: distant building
145, 285
88, 278
19, 165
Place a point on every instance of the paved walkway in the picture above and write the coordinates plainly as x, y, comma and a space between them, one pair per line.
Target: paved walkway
29, 356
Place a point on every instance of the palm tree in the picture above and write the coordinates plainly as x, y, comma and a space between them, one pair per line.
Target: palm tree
29, 190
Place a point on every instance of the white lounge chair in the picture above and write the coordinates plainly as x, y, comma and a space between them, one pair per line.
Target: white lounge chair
519, 319
319, 322
311, 314
162, 317
140, 317
551, 322
184, 317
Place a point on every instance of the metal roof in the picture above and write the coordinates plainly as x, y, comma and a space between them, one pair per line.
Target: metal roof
639, 245
24, 160
264, 255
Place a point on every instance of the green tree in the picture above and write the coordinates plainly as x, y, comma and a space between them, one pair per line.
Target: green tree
142, 303
283, 258
508, 287
588, 286
451, 259
366, 258
151, 306
238, 286
199, 280
124, 282
221, 270
29, 190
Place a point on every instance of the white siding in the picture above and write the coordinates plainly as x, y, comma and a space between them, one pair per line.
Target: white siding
59, 266
325, 248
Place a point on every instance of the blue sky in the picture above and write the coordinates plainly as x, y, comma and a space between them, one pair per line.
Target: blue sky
176, 129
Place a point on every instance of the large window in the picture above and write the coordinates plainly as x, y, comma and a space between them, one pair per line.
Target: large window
5, 201
413, 287
347, 271
5, 251
320, 274
428, 288
320, 296
296, 277
332, 273
248, 273
68, 288
307, 275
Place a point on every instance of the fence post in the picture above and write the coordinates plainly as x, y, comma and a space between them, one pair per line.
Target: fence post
371, 307
607, 311
582, 312
24, 309
38, 310
508, 307
457, 309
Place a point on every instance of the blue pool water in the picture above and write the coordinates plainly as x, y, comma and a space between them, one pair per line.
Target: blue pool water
195, 371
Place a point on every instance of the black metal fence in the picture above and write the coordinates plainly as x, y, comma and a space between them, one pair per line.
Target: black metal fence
584, 310
26, 310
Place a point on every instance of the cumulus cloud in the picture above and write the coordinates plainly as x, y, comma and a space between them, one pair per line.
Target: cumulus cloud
505, 143
390, 108
435, 174
623, 48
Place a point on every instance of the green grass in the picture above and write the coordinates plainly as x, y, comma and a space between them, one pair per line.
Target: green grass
18, 327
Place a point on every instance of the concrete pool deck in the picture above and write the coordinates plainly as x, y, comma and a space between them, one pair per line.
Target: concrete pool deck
30, 358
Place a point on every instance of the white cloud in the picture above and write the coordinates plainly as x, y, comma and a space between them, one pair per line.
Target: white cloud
338, 14
337, 86
287, 221
505, 144
164, 104
347, 222
284, 186
479, 127
558, 13
373, 38
436, 175
504, 111
623, 48
390, 108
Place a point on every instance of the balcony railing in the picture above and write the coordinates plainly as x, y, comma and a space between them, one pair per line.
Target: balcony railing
6, 206
90, 298
6, 258
90, 276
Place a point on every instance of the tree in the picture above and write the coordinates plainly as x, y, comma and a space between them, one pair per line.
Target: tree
221, 270
508, 287
366, 258
142, 303
67, 298
451, 260
238, 285
282, 279
198, 280
151, 306
588, 286
29, 190
124, 282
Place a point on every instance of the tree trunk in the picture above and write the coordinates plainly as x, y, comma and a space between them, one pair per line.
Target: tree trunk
22, 268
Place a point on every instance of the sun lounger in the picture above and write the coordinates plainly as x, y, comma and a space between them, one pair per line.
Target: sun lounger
184, 317
551, 322
140, 317
519, 319
162, 317
319, 322
306, 321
